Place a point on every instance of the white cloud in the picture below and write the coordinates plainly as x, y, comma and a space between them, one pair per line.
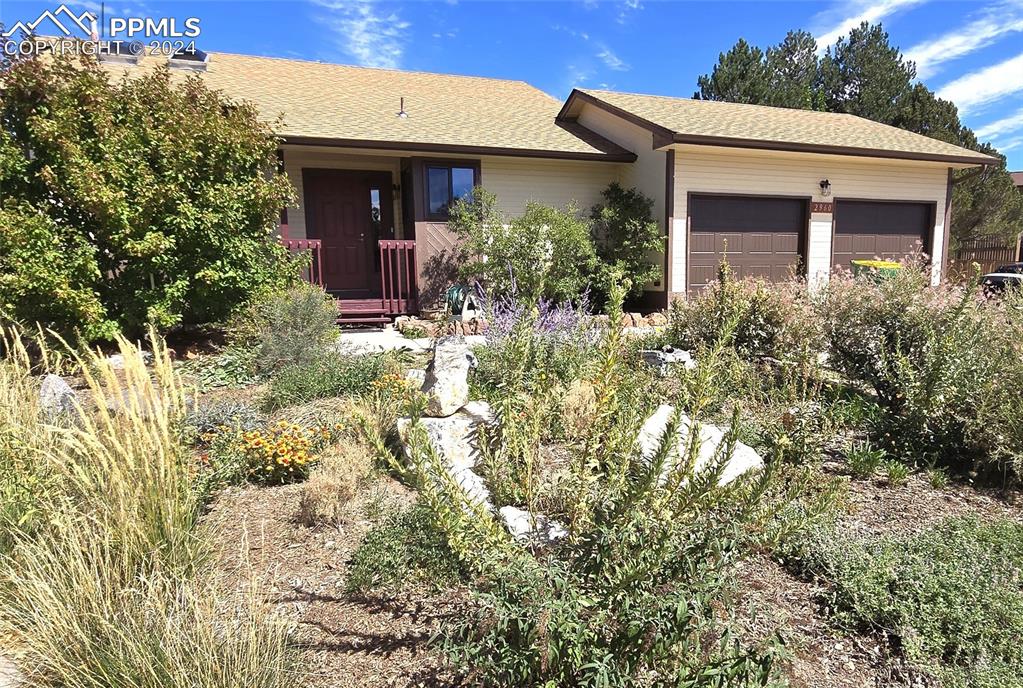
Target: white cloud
997, 21
1011, 144
611, 60
371, 38
625, 8
577, 76
977, 89
854, 14
574, 33
1013, 122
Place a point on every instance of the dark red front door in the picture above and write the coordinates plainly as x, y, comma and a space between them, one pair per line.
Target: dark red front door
349, 211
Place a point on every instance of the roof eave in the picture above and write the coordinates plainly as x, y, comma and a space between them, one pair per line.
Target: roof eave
664, 136
456, 149
759, 144
567, 113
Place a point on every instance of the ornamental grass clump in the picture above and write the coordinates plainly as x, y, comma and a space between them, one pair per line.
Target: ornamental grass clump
111, 586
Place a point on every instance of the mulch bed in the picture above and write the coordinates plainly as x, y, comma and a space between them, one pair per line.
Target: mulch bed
383, 640
346, 640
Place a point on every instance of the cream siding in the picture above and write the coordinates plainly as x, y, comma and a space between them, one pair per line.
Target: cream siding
646, 174
516, 181
729, 170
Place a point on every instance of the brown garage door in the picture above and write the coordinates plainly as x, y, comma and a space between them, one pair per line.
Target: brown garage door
764, 236
872, 229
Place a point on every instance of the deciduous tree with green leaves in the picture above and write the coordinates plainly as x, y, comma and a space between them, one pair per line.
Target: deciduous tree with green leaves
125, 202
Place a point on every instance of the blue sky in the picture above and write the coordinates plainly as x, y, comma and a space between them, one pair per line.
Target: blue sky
970, 52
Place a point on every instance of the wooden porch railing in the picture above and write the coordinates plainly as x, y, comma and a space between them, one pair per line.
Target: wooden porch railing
398, 276
313, 271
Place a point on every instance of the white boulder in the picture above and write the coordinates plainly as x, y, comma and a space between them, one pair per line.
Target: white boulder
56, 396
447, 377
743, 458
10, 677
453, 440
663, 359
527, 527
117, 361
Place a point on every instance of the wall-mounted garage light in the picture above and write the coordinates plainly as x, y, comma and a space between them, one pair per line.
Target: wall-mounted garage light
825, 188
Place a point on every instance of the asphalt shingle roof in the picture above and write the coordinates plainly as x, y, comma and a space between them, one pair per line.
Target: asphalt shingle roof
698, 120
330, 101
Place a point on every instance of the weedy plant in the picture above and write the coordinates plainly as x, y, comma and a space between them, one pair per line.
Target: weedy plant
864, 459
896, 472
631, 596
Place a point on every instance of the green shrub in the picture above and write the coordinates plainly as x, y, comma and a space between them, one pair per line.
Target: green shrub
627, 238
546, 252
931, 356
406, 550
291, 327
123, 216
328, 375
763, 319
949, 595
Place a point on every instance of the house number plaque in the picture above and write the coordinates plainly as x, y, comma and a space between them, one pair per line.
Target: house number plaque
821, 207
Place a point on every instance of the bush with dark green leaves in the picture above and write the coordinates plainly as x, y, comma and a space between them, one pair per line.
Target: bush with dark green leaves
627, 237
950, 596
132, 201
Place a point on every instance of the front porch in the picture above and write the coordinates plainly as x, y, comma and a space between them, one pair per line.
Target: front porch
397, 294
373, 224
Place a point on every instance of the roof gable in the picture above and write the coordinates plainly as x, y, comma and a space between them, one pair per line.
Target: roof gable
683, 120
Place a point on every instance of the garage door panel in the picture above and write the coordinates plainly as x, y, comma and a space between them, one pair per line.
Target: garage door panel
703, 243
761, 236
879, 229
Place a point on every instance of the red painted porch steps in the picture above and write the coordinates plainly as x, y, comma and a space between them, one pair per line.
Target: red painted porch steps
362, 312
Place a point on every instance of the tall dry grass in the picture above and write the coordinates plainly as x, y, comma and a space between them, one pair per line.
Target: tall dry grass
110, 588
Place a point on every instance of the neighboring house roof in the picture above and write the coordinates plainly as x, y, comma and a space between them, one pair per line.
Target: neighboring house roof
682, 120
1017, 178
341, 105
